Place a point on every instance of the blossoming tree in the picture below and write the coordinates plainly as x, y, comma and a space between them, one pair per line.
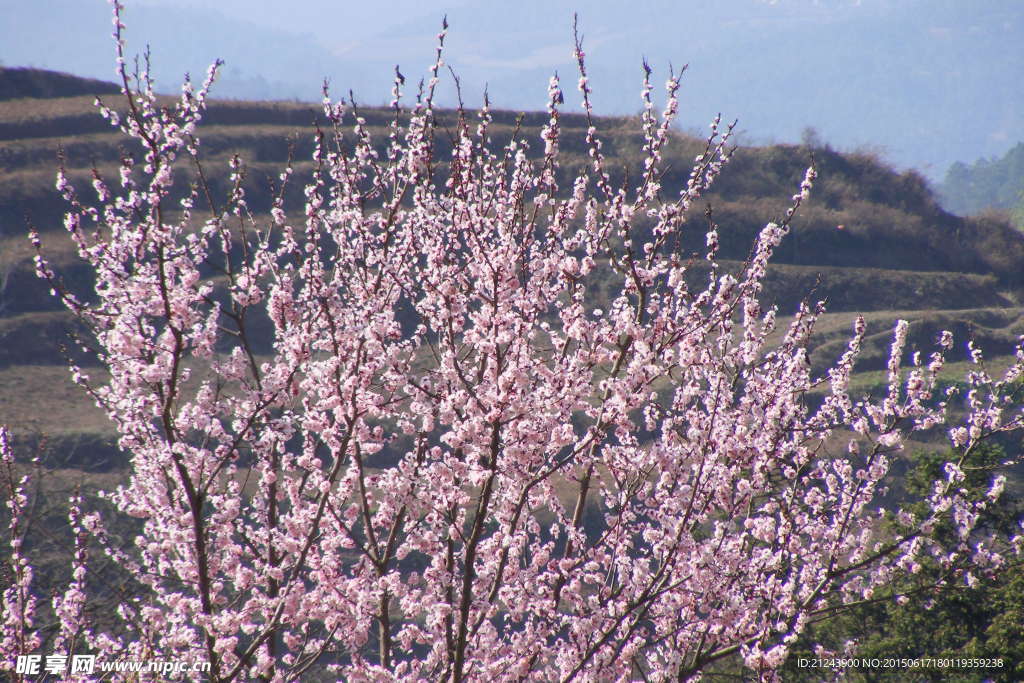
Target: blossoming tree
449, 465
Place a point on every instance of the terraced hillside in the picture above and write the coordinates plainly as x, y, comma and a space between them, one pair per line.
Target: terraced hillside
870, 240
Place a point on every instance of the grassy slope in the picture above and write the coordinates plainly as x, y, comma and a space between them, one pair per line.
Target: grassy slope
896, 254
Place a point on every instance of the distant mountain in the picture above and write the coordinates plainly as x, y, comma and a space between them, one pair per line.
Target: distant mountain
260, 62
925, 82
25, 82
988, 183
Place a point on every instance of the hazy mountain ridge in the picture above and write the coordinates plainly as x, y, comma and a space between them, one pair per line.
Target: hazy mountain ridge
928, 81
22, 82
988, 183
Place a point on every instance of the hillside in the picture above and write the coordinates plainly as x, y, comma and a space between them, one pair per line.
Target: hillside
39, 83
871, 239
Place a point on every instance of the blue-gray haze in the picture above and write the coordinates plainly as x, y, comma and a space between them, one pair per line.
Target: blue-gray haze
924, 82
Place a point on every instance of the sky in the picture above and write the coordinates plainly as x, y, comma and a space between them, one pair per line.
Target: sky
923, 83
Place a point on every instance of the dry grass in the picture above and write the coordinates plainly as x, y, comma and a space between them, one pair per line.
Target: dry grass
43, 399
34, 109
